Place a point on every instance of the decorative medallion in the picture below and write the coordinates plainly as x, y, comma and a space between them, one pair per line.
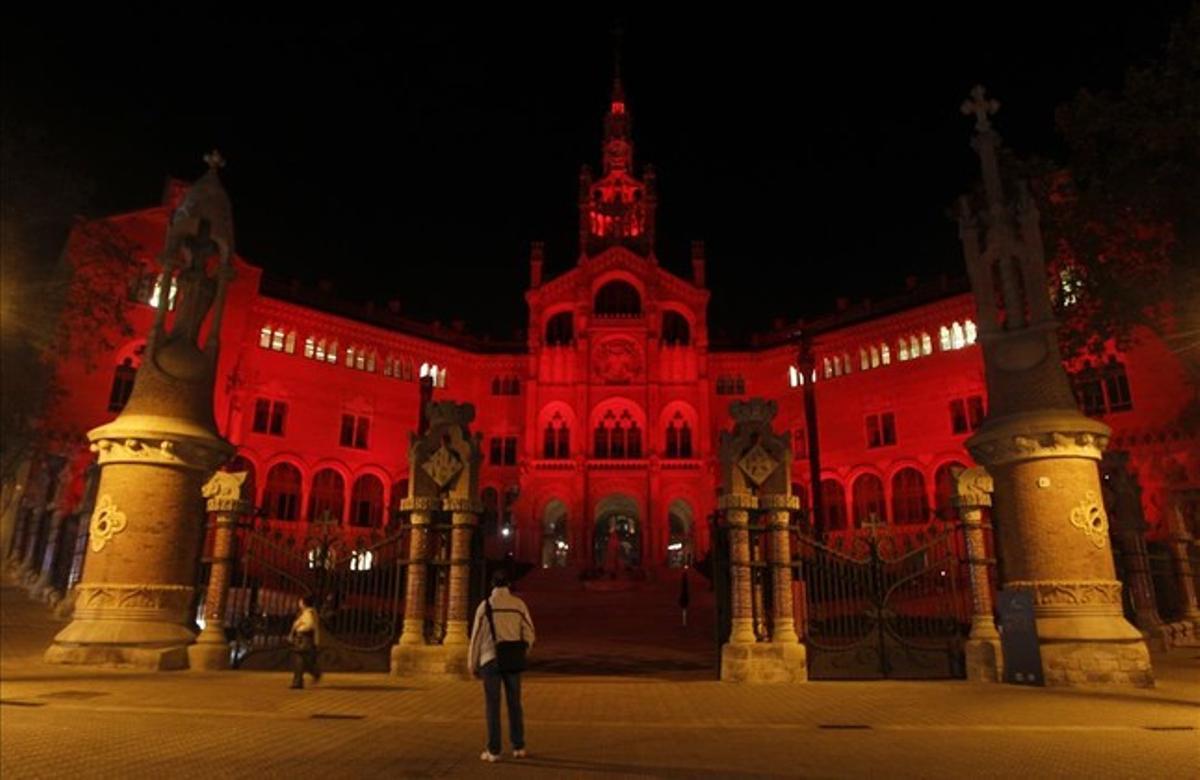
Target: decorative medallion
443, 466
618, 361
1089, 517
757, 464
107, 522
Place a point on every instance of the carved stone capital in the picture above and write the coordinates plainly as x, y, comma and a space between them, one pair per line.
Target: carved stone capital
737, 501
224, 493
778, 501
1043, 435
421, 503
158, 451
462, 504
973, 487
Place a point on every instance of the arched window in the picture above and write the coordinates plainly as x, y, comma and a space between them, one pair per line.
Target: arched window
944, 339
864, 362
617, 299
971, 334
560, 330
264, 337
281, 499
910, 505
617, 437
679, 437
868, 501
834, 499
675, 329
277, 340
289, 343
310, 347
875, 356
122, 385
885, 354
328, 495
556, 440
366, 501
902, 349
943, 488
926, 344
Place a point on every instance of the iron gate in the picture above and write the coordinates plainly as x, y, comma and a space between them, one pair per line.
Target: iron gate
880, 602
356, 577
886, 603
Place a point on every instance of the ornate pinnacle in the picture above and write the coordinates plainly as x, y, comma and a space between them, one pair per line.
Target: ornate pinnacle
214, 160
981, 107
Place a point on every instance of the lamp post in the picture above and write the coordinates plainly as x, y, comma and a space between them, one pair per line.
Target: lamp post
807, 366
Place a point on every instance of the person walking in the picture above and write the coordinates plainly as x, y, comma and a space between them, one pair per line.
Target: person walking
501, 635
684, 596
304, 639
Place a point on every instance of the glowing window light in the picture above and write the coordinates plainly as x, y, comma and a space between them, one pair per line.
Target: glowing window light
885, 354
310, 347
864, 360
331, 354
424, 370
264, 335
903, 351
875, 357
958, 339
321, 350
289, 344
793, 376
944, 338
362, 561
675, 546
971, 334
155, 296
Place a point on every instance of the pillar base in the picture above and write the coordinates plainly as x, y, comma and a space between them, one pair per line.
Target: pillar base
154, 659
984, 660
1097, 663
764, 662
208, 657
441, 661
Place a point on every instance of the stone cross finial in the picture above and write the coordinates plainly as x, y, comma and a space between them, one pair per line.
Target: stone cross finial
214, 160
981, 107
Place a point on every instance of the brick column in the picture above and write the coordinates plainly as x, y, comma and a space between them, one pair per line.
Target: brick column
418, 554
211, 650
783, 618
463, 522
737, 518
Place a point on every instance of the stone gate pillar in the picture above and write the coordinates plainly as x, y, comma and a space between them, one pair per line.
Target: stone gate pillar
444, 479
1051, 527
133, 603
755, 475
225, 503
984, 654
1180, 542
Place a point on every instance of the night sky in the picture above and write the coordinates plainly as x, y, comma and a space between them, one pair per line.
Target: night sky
415, 159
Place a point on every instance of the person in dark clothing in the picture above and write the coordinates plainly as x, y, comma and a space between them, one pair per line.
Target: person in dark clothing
685, 597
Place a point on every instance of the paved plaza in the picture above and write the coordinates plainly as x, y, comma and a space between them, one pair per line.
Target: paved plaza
649, 720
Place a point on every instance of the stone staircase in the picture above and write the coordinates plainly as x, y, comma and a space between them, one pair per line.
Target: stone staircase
632, 629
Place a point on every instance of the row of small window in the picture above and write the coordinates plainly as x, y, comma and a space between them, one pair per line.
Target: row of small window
1102, 389
966, 414
732, 384
360, 358
560, 328
506, 385
910, 347
616, 437
270, 418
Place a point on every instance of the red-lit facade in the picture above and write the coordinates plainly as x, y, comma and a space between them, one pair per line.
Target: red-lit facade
609, 416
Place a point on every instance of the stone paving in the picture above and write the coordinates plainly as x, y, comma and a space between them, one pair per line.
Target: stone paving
59, 721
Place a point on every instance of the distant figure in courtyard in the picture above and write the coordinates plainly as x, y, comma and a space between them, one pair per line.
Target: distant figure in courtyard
612, 556
685, 597
304, 640
500, 636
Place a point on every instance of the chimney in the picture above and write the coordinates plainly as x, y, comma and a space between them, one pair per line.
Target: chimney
910, 283
698, 263
537, 252
394, 306
843, 304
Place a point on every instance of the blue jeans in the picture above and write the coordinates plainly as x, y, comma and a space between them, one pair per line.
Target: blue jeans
492, 677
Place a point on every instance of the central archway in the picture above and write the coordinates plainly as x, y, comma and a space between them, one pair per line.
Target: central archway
617, 537
555, 548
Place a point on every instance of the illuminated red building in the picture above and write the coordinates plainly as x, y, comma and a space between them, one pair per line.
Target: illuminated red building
608, 417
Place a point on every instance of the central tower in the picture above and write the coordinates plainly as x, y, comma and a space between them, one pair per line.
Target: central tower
617, 209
